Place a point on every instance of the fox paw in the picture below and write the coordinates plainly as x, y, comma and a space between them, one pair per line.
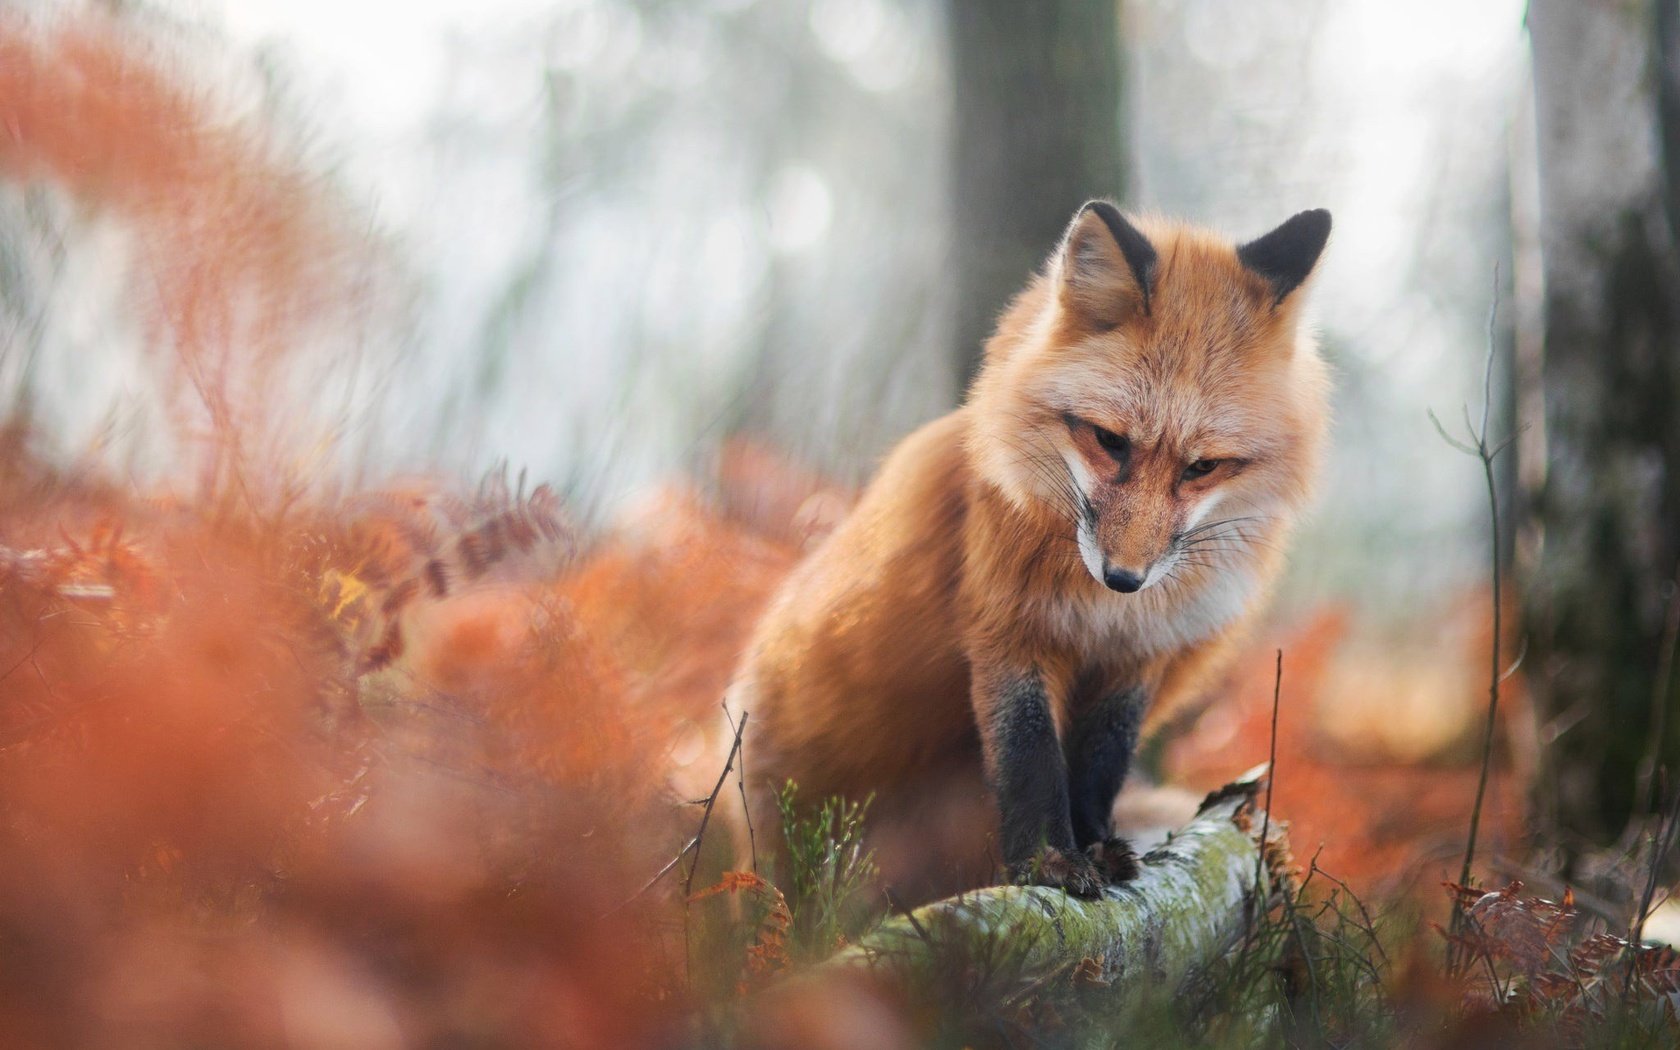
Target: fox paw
1074, 872
1115, 859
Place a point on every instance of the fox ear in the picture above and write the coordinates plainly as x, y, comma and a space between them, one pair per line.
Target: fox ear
1106, 266
1286, 256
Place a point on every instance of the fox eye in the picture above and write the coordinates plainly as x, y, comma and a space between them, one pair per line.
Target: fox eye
1114, 444
1201, 468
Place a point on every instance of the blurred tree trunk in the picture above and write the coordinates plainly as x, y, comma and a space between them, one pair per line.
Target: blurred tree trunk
1605, 79
1037, 100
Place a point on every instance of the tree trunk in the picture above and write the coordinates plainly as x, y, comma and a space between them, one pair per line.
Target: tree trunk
1037, 127
1609, 504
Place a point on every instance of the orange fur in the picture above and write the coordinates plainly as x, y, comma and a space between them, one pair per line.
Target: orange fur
878, 667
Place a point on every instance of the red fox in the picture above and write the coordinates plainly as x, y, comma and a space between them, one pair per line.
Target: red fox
1080, 544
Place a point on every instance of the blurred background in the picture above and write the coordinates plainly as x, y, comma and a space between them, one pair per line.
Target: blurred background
307, 684
599, 240
614, 232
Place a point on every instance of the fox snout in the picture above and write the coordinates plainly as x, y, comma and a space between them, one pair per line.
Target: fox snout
1119, 558
1123, 580
1128, 576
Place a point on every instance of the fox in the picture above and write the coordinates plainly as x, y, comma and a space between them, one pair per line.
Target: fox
1031, 579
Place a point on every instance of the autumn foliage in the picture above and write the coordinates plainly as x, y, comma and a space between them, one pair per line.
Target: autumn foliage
290, 762
1533, 959
1378, 782
227, 794
281, 763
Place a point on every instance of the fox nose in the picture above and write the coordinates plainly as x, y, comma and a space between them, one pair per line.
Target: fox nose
1121, 580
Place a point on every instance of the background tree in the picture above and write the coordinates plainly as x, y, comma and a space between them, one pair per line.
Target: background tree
1605, 81
1037, 131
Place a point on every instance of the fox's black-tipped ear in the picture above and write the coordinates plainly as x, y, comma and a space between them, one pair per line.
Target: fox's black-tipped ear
1286, 256
1107, 265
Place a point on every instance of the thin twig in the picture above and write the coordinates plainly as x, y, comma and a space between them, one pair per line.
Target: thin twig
699, 838
1261, 908
649, 884
1516, 663
1659, 850
1271, 778
1660, 846
741, 783
1480, 447
915, 924
1495, 673
711, 801
1291, 904
1370, 926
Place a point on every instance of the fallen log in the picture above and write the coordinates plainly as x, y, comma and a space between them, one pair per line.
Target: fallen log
1192, 902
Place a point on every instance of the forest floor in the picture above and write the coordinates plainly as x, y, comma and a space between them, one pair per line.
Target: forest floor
393, 769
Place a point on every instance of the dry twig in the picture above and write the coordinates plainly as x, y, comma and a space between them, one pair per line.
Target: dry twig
1486, 453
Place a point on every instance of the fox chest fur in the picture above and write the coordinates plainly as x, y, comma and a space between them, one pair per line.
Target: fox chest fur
978, 644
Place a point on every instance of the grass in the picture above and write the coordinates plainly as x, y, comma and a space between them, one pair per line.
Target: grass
1320, 968
830, 874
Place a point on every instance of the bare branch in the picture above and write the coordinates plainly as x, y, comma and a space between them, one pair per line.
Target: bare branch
741, 784
711, 801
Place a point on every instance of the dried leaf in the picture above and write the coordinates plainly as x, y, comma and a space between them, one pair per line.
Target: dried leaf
1520, 930
768, 953
1658, 967
1548, 988
1089, 973
1589, 957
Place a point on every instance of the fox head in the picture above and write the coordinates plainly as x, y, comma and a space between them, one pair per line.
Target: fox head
1152, 391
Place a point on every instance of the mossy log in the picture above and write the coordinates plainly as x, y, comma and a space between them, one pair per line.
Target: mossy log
1191, 903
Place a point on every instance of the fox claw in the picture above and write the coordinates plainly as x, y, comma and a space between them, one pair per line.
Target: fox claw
1115, 859
1074, 872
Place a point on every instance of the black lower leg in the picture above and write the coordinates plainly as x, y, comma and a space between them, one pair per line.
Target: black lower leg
1103, 742
1031, 776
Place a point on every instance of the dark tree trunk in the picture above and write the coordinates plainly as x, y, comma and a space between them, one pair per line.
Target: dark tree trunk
1609, 505
1037, 99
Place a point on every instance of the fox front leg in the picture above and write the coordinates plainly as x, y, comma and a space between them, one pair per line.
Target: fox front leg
1104, 739
1029, 773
